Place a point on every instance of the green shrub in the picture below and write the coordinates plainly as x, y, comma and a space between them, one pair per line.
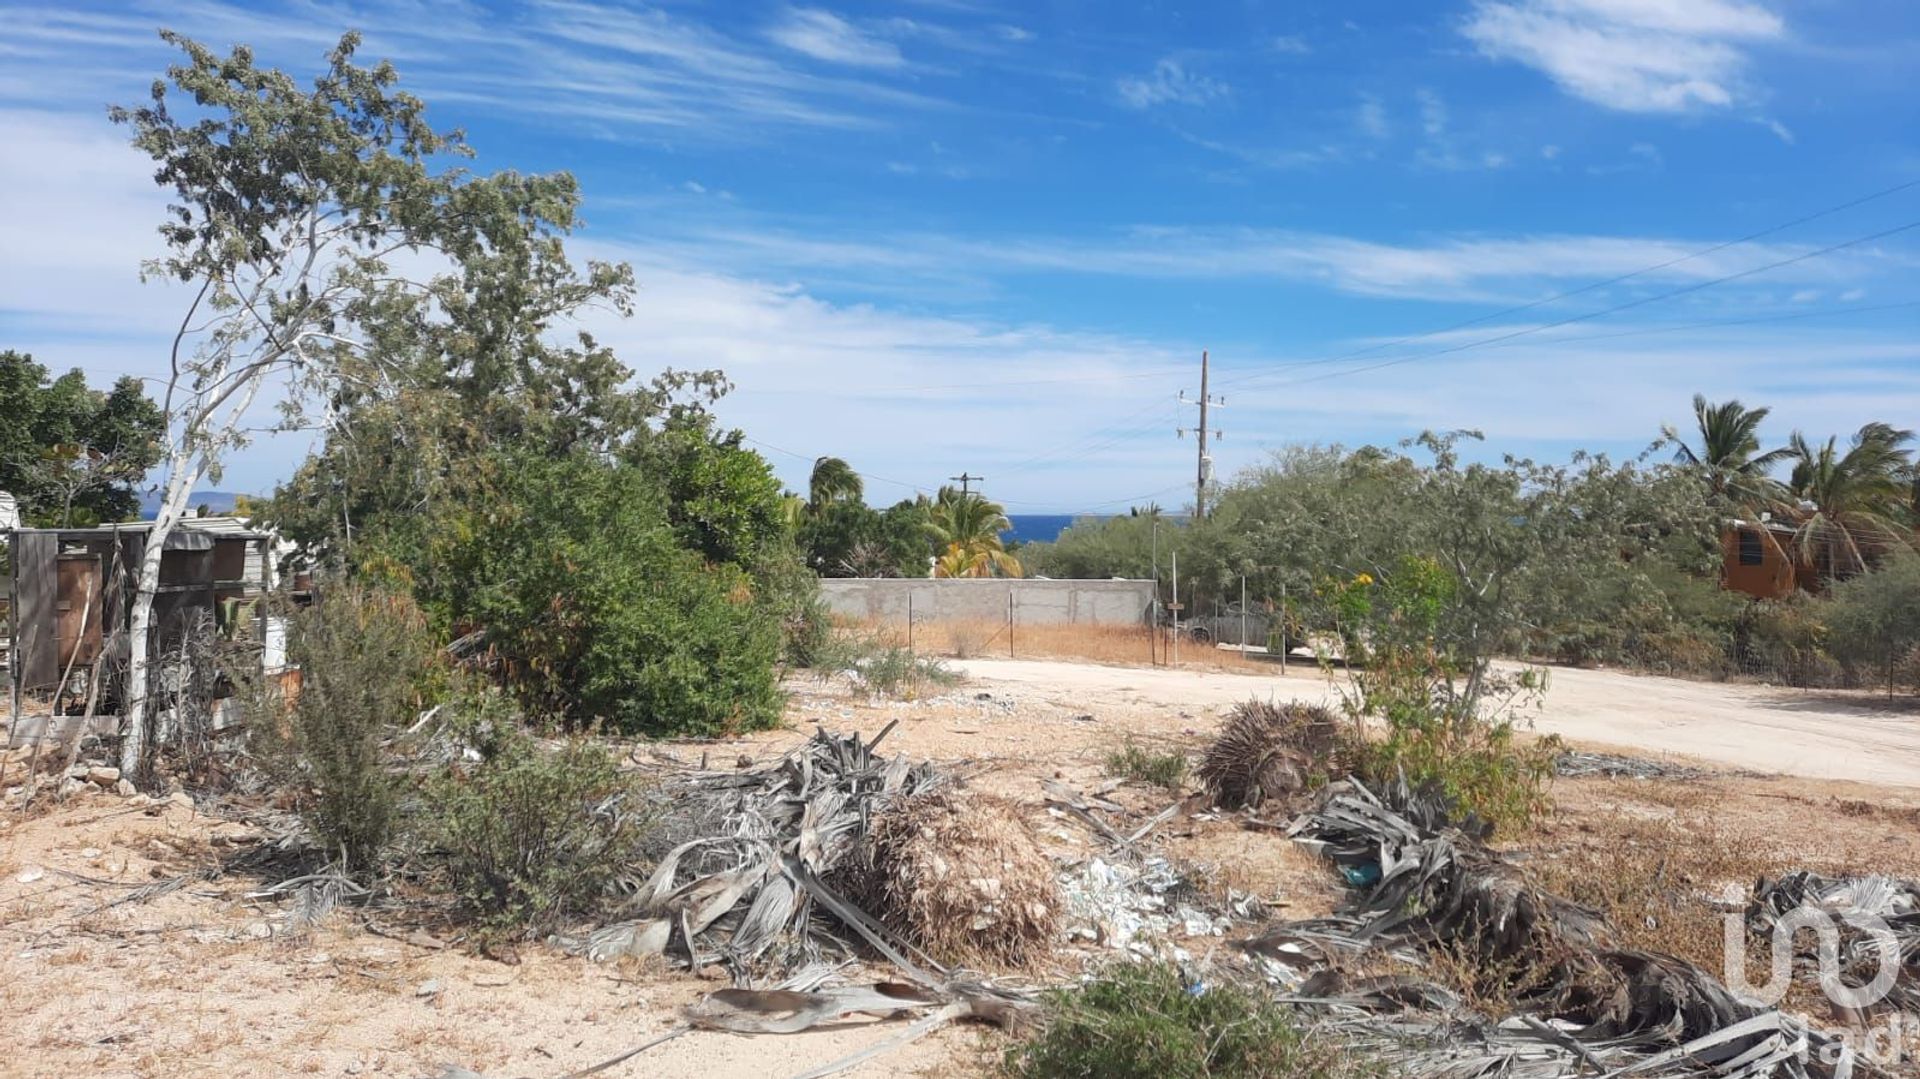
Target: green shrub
1448, 718
367, 665
598, 609
1144, 1021
877, 667
533, 834
1785, 640
1160, 769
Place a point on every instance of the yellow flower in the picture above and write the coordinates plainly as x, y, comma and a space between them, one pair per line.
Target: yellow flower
1363, 578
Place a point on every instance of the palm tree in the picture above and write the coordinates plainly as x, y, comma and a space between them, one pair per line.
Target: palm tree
1849, 506
1729, 456
966, 527
833, 480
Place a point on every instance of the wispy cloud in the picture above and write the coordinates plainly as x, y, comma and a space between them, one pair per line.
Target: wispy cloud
1631, 55
1459, 268
826, 36
1169, 83
1290, 45
593, 65
1371, 117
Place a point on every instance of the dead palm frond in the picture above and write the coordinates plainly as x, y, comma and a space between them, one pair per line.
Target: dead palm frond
1267, 752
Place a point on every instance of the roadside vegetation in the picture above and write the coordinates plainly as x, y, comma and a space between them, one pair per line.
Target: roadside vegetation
1591, 562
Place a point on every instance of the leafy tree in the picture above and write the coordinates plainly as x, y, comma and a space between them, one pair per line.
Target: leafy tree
1728, 456
1101, 547
966, 530
833, 481
598, 609
1876, 615
852, 539
70, 454
290, 210
1850, 505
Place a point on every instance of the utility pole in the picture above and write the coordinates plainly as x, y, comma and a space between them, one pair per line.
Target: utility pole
965, 481
1203, 473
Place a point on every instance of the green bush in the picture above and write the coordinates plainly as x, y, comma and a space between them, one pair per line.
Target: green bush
877, 667
1785, 640
1144, 1021
1160, 769
1448, 718
533, 834
598, 609
367, 666
1876, 618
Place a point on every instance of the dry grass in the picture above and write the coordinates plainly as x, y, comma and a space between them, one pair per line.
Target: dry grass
959, 874
1114, 645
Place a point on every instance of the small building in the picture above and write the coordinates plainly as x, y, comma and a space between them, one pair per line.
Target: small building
68, 596
1756, 558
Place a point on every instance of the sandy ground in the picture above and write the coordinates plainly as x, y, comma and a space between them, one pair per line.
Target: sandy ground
206, 980
1813, 734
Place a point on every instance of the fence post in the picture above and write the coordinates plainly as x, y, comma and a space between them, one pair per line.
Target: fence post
1243, 615
909, 620
1285, 643
1009, 623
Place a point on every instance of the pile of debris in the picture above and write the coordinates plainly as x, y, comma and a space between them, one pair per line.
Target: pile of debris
779, 868
1582, 1007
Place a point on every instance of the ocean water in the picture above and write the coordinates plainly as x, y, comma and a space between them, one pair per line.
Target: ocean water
1036, 527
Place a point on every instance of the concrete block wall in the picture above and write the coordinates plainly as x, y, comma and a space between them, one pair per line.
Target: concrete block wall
1035, 602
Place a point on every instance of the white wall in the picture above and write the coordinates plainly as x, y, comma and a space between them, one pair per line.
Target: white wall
1115, 602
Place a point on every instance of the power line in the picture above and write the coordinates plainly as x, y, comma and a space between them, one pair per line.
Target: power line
1617, 279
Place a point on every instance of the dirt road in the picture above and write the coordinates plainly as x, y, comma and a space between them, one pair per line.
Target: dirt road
1815, 734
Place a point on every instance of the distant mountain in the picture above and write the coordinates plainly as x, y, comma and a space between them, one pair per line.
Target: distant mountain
215, 501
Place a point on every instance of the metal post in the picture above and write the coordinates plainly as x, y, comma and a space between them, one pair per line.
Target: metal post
1176, 608
1284, 627
1243, 614
910, 620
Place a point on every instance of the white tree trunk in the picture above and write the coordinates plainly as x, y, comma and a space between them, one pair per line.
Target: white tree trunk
181, 478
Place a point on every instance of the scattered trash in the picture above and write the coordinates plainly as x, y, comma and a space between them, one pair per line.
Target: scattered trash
1131, 907
1575, 763
30, 874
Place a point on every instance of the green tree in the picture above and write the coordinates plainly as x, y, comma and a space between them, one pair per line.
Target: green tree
598, 609
70, 454
1849, 507
1728, 456
833, 481
966, 529
289, 207
1876, 615
1093, 548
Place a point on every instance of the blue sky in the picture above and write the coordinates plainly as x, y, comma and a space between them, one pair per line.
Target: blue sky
951, 235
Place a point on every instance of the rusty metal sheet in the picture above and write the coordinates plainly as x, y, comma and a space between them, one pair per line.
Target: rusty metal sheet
78, 610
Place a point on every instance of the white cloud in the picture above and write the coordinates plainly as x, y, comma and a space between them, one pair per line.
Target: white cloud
1631, 55
1371, 117
1290, 45
1460, 268
1169, 83
1550, 152
591, 65
826, 36
1780, 131
1433, 113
